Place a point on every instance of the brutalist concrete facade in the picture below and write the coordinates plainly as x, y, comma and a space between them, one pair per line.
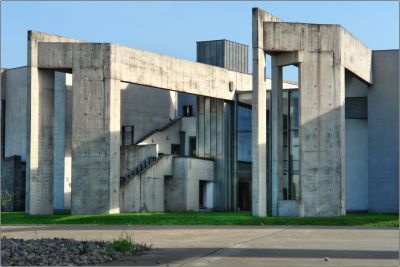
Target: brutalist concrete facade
184, 119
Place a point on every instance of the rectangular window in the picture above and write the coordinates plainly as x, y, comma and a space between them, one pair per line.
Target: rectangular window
175, 149
127, 135
192, 146
187, 111
291, 183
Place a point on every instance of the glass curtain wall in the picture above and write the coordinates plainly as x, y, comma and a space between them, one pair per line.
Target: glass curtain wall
291, 178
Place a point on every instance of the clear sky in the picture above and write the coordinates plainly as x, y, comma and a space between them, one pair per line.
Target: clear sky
173, 28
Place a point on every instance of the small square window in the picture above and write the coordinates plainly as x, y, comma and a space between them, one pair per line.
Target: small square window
175, 149
187, 111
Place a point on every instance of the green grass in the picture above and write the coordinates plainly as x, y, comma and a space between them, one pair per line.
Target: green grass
123, 244
199, 218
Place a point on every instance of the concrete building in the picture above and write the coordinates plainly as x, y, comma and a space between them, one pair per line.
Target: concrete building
102, 128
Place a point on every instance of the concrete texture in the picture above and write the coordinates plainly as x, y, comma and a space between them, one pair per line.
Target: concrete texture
146, 108
133, 155
40, 127
145, 192
182, 189
356, 165
189, 127
164, 137
16, 92
322, 53
356, 146
141, 67
383, 133
116, 86
240, 246
259, 106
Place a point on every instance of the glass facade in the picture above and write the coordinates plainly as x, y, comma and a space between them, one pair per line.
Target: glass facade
290, 181
291, 178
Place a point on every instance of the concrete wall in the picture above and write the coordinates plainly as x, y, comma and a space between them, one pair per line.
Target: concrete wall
189, 126
187, 100
16, 93
146, 108
322, 52
132, 156
356, 146
145, 191
383, 133
182, 190
164, 137
356, 165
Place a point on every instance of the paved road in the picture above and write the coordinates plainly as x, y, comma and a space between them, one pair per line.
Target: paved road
241, 246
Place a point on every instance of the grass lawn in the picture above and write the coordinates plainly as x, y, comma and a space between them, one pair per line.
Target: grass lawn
199, 218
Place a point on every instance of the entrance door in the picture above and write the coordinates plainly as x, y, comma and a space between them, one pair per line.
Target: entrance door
244, 198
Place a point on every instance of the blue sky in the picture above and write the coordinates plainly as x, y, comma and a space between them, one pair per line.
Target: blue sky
173, 28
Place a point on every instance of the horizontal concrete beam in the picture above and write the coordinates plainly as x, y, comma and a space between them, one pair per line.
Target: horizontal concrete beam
150, 69
288, 58
145, 68
347, 50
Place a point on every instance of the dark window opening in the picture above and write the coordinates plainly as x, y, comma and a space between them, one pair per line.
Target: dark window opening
127, 135
187, 111
290, 190
244, 196
202, 191
192, 146
175, 149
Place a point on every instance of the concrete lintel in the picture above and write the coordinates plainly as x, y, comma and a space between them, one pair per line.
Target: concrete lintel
55, 55
348, 51
288, 58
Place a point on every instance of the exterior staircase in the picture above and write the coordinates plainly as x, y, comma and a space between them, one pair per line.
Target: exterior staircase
140, 168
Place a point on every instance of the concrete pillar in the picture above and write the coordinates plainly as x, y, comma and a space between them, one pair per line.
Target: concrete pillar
322, 135
40, 150
95, 133
277, 134
259, 135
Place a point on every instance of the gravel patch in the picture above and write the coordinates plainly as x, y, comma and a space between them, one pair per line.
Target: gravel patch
61, 252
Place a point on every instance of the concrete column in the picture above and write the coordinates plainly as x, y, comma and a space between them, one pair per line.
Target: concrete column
95, 133
41, 154
277, 133
322, 135
259, 135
